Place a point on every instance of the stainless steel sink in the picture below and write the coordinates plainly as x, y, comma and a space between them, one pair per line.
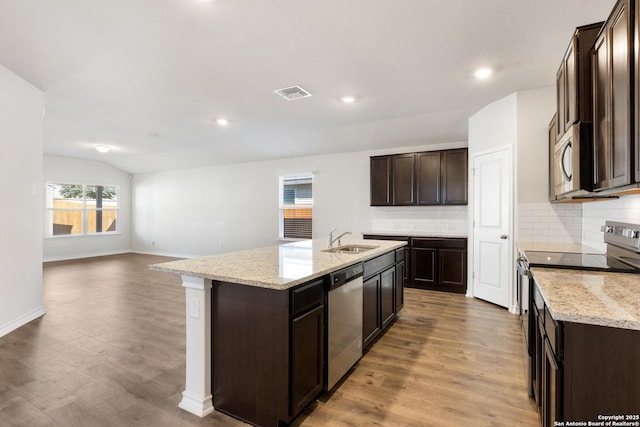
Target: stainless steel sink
351, 249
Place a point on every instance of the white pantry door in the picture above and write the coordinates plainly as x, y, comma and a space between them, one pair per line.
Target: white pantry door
491, 226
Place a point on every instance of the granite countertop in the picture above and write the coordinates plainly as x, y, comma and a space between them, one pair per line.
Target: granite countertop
277, 267
590, 297
596, 298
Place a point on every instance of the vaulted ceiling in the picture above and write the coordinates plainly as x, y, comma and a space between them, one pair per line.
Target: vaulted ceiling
149, 78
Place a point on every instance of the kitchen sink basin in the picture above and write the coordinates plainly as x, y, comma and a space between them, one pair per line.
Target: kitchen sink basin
351, 249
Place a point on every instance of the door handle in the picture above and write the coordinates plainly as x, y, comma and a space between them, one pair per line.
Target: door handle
504, 237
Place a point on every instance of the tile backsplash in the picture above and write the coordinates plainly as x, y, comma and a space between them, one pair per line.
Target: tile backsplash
594, 215
421, 219
546, 222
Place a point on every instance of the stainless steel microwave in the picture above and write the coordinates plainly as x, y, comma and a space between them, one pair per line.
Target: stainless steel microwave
571, 162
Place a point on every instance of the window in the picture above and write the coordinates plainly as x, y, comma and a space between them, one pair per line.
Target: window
296, 207
77, 209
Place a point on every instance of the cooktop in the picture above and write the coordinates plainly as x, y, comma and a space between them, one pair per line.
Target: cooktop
578, 261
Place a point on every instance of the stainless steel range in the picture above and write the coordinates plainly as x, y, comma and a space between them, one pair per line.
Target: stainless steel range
622, 256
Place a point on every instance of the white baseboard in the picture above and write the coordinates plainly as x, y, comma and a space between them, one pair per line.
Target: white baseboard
87, 255
22, 320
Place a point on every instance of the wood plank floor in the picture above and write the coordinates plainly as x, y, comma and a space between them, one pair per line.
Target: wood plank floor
110, 352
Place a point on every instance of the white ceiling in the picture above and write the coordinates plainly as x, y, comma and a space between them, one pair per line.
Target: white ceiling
149, 77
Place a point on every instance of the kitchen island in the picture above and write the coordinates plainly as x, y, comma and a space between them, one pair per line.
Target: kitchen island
255, 325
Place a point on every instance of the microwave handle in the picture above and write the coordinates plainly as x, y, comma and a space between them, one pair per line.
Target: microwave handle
562, 164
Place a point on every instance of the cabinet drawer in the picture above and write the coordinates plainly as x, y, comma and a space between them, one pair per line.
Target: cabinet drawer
554, 333
306, 297
437, 243
400, 254
378, 264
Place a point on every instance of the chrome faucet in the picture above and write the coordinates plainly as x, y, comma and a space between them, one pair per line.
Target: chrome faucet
332, 240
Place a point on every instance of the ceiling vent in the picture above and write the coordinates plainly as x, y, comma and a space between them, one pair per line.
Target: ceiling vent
293, 92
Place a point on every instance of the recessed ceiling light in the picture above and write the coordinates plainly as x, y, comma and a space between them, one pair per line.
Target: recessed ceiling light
103, 148
482, 73
222, 121
348, 99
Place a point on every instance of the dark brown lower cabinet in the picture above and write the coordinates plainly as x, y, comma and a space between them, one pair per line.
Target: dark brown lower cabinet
383, 294
307, 358
387, 296
439, 264
268, 350
434, 263
371, 325
583, 371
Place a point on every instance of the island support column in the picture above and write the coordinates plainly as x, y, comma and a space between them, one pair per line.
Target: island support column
197, 398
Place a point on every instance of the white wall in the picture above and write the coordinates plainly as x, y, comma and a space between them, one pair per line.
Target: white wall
217, 209
594, 214
66, 170
21, 127
494, 126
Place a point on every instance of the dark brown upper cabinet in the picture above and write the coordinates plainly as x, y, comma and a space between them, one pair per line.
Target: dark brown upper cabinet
380, 180
425, 178
428, 174
573, 80
453, 186
612, 103
403, 171
553, 132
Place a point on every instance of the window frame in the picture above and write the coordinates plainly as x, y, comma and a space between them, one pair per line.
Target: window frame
282, 180
85, 211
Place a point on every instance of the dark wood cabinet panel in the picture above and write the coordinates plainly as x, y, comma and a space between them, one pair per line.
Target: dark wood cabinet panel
387, 296
612, 104
553, 132
453, 267
426, 178
399, 291
428, 174
439, 264
370, 312
307, 358
404, 177
380, 175
575, 380
573, 80
454, 177
636, 103
424, 264
561, 88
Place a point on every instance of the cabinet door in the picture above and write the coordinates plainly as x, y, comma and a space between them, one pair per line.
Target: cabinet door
403, 183
370, 312
400, 277
552, 145
571, 84
428, 174
380, 175
454, 177
600, 113
307, 358
612, 101
387, 295
561, 88
453, 267
424, 265
620, 78
551, 388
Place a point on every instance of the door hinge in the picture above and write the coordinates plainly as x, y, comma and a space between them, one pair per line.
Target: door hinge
473, 274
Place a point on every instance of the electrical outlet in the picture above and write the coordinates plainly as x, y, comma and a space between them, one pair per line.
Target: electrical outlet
194, 308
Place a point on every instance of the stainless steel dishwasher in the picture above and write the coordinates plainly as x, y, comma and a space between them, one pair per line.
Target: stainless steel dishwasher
344, 322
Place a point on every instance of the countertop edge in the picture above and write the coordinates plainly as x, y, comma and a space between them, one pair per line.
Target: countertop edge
389, 245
